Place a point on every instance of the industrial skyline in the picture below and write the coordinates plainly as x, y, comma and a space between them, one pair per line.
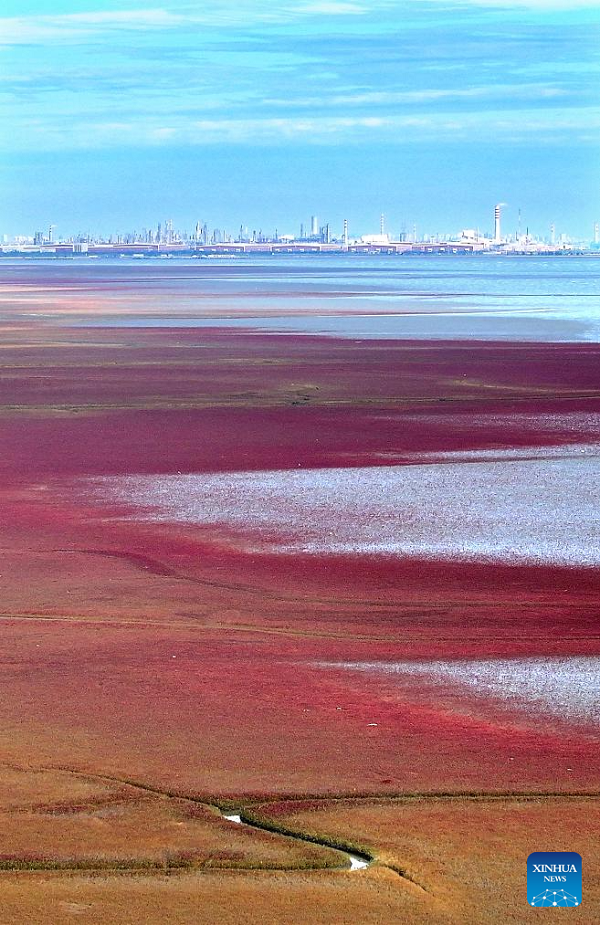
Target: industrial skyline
311, 235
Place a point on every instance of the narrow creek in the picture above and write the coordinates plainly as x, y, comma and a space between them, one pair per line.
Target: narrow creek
356, 861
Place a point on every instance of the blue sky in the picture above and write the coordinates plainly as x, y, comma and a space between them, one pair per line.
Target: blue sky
117, 114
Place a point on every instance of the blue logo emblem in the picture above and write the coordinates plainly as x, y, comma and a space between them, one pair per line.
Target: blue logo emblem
554, 879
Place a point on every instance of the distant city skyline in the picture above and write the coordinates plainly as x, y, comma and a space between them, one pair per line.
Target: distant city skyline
166, 237
117, 111
313, 227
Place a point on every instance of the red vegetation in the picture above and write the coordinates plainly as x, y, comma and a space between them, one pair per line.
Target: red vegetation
168, 655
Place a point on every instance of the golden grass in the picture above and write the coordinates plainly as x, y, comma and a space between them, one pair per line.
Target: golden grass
468, 855
57, 820
156, 859
212, 898
23, 788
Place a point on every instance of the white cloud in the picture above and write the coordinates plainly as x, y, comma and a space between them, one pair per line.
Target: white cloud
26, 30
551, 124
542, 5
308, 129
79, 27
333, 9
411, 97
76, 27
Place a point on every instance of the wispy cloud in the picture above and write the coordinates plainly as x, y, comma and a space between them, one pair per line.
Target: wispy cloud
333, 8
415, 97
27, 30
541, 5
317, 71
548, 125
82, 27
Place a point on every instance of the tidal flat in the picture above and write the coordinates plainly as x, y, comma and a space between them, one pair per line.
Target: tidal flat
298, 576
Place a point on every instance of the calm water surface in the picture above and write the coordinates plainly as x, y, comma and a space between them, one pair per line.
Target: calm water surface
546, 299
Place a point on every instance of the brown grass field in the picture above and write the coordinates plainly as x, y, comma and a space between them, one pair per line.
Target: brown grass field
464, 857
55, 819
152, 674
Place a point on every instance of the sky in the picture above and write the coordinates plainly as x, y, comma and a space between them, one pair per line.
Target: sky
118, 114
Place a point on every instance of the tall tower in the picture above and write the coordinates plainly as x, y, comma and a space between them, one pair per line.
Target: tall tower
314, 226
51, 229
382, 224
597, 233
497, 231
345, 238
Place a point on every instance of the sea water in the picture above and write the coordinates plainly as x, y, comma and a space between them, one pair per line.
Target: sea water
400, 297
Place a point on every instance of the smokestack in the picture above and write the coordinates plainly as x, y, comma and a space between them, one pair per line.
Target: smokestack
497, 232
345, 232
